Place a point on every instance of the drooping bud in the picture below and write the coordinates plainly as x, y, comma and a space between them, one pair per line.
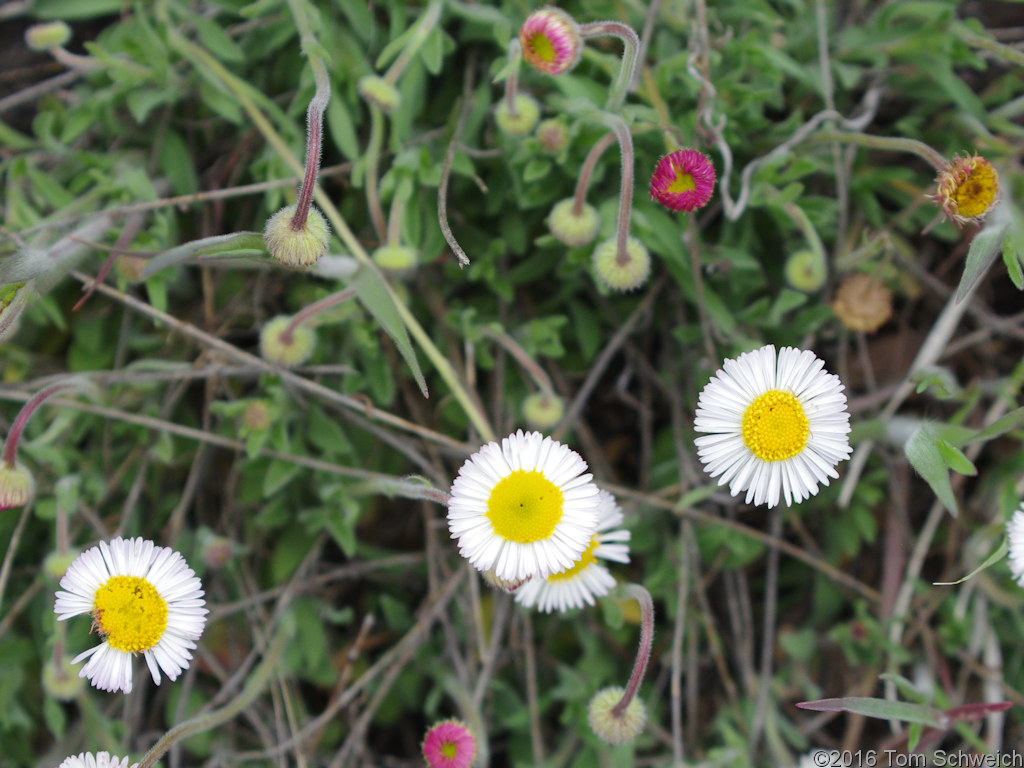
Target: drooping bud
520, 121
613, 728
622, 274
16, 486
292, 247
379, 91
505, 585
570, 228
806, 271
49, 34
552, 135
543, 410
286, 349
61, 680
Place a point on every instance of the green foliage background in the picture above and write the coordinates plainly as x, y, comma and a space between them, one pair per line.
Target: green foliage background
329, 542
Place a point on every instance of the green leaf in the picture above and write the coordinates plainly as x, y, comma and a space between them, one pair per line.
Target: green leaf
1004, 424
955, 458
985, 247
279, 474
234, 245
372, 292
925, 457
991, 560
880, 708
339, 125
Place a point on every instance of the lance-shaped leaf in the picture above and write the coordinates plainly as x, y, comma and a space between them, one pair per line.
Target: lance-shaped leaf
882, 709
375, 297
924, 455
985, 249
232, 246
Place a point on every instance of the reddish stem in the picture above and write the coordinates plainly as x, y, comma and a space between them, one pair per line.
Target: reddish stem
317, 306
314, 122
579, 198
643, 654
11, 447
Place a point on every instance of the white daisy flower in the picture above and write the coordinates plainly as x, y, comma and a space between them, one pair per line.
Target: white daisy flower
1015, 535
142, 598
99, 760
523, 508
587, 579
777, 424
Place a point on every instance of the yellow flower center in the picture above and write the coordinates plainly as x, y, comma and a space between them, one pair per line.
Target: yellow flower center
586, 559
775, 426
542, 47
524, 507
449, 750
683, 182
977, 192
130, 613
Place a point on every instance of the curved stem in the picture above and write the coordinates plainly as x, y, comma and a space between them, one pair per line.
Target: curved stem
894, 143
372, 168
515, 58
208, 720
333, 300
426, 23
630, 56
625, 189
11, 446
643, 654
580, 196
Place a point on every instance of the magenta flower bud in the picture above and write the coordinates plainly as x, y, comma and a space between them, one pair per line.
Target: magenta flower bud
449, 744
551, 40
683, 180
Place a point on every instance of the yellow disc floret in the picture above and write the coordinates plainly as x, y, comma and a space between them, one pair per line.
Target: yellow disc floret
975, 194
683, 181
524, 506
584, 560
775, 426
130, 613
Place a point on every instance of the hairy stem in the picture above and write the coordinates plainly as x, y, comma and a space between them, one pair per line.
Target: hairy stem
643, 654
630, 56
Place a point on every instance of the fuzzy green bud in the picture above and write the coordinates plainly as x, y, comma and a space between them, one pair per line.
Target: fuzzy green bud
49, 34
571, 229
278, 349
55, 564
379, 91
395, 258
543, 410
292, 247
520, 121
256, 416
16, 486
552, 135
611, 728
626, 275
61, 680
806, 271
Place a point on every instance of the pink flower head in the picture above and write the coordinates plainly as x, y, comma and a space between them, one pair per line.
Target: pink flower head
449, 744
551, 40
683, 180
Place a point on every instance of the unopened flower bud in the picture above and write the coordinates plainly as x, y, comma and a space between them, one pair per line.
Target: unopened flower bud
55, 564
49, 34
216, 551
551, 40
627, 274
61, 680
395, 258
295, 349
379, 91
806, 270
571, 229
301, 247
552, 135
256, 416
522, 120
611, 728
16, 486
863, 303
543, 410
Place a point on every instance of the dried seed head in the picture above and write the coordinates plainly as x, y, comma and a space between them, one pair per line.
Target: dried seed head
862, 302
